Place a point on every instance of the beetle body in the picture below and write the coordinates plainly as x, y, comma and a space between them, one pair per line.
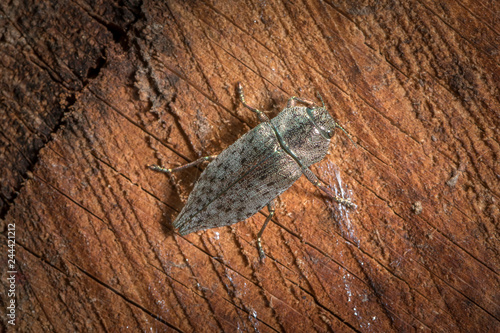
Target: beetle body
255, 169
258, 167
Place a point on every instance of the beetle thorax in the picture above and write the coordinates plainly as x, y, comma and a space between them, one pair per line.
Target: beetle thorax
305, 132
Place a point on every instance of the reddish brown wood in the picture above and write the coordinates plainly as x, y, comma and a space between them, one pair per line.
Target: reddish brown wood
94, 92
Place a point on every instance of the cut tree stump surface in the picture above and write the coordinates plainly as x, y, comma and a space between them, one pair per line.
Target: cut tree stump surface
93, 93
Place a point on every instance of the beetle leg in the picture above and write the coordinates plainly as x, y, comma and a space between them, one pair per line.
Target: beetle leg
260, 115
316, 182
293, 101
182, 167
270, 208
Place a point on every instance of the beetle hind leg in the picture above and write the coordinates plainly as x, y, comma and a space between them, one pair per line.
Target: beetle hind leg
182, 167
271, 208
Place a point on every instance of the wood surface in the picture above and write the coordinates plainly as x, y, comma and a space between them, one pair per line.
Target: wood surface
93, 92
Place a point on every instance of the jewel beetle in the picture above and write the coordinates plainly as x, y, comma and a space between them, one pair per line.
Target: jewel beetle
258, 167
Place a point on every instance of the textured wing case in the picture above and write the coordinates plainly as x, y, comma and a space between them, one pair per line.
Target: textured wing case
239, 182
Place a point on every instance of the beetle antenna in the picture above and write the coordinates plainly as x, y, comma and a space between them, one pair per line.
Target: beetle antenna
343, 130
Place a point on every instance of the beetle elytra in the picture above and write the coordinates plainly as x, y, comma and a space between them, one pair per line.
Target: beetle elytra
258, 167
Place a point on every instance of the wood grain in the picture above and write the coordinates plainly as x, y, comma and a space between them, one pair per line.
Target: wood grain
93, 92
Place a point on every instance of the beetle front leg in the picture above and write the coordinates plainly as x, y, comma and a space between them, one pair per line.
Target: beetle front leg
271, 208
293, 101
260, 115
316, 182
182, 167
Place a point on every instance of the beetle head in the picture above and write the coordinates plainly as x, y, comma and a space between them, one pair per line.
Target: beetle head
324, 121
